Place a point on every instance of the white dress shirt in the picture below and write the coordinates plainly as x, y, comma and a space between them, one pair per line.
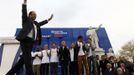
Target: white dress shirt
31, 33
90, 51
72, 54
81, 51
45, 58
37, 59
54, 55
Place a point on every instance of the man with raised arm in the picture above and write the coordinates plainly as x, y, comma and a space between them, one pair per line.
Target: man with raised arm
29, 34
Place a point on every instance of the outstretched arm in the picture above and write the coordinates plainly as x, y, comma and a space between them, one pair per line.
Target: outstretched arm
25, 2
24, 11
98, 27
49, 19
46, 21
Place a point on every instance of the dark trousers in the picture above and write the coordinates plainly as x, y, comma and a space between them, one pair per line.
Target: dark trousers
26, 47
94, 68
64, 67
53, 68
90, 65
45, 69
73, 68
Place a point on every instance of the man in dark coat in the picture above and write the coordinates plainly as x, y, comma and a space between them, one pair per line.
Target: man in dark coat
109, 70
64, 58
29, 34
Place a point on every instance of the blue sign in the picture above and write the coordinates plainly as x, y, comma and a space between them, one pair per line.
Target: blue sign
70, 35
50, 35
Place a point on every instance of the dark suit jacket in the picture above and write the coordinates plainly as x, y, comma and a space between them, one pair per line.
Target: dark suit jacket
103, 64
107, 72
64, 54
27, 26
98, 67
76, 50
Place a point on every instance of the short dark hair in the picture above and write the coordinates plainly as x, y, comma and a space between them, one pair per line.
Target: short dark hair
80, 37
53, 43
30, 13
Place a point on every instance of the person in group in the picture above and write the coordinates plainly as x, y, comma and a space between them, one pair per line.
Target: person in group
73, 62
89, 47
110, 60
45, 60
64, 58
53, 59
131, 68
119, 71
125, 70
80, 55
37, 57
103, 63
98, 64
28, 35
109, 70
116, 65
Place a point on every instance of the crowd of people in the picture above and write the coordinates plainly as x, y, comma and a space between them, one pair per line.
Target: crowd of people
77, 60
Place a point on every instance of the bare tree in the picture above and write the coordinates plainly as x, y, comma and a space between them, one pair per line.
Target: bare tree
129, 47
127, 50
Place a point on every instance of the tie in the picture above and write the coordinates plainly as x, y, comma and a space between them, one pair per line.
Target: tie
33, 34
34, 31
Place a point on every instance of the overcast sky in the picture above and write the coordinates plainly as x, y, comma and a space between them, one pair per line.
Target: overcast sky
117, 16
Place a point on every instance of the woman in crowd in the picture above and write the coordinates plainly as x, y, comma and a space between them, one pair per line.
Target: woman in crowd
53, 59
45, 61
37, 55
73, 63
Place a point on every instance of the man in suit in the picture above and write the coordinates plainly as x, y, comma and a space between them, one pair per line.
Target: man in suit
98, 64
109, 70
29, 34
103, 63
64, 58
